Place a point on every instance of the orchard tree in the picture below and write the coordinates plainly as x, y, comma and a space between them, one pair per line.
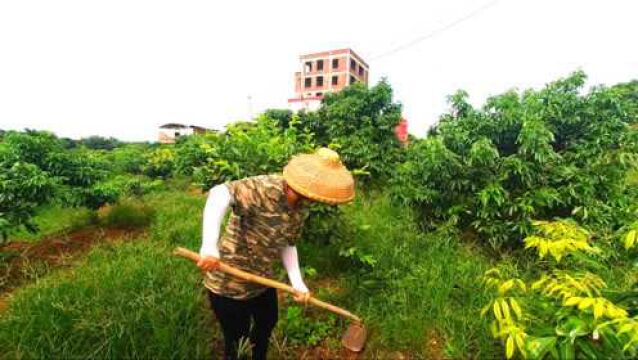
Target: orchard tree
23, 187
245, 149
100, 143
535, 155
359, 122
282, 117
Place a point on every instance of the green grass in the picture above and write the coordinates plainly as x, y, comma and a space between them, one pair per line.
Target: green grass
128, 300
128, 214
123, 301
135, 300
54, 219
422, 287
632, 177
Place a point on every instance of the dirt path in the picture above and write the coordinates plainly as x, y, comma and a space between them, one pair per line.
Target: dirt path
27, 261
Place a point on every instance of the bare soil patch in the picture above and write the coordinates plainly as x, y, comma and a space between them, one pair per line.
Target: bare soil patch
23, 262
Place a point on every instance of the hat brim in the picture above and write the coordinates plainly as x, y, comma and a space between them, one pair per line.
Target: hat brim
339, 189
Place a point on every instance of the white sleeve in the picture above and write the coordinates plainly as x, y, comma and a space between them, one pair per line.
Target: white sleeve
216, 206
290, 260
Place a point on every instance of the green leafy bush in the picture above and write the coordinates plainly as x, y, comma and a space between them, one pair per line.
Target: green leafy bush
564, 313
109, 191
160, 162
99, 143
128, 158
192, 152
407, 285
536, 155
301, 330
282, 117
249, 149
323, 224
74, 167
38, 167
359, 122
77, 168
33, 146
23, 187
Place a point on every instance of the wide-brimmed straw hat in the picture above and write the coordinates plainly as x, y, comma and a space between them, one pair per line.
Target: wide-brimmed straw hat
320, 176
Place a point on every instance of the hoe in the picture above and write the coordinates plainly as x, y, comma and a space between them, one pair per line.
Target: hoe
353, 339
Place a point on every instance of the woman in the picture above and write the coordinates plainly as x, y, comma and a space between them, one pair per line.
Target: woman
267, 217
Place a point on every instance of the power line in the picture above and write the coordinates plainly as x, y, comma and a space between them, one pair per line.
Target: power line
436, 31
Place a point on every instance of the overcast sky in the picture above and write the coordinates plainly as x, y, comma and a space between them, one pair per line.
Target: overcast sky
121, 68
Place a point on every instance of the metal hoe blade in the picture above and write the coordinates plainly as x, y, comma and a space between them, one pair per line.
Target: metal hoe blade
354, 339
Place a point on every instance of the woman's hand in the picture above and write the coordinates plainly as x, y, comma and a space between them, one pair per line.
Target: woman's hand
302, 297
208, 263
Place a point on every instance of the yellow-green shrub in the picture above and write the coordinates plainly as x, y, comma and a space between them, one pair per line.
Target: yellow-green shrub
564, 313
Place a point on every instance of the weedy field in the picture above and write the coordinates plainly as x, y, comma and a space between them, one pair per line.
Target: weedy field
510, 231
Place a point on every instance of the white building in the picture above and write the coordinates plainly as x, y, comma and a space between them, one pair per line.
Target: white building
168, 133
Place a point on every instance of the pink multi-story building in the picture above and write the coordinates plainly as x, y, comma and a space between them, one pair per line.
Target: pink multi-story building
326, 72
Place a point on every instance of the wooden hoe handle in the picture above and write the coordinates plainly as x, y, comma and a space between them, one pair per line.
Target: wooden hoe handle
180, 251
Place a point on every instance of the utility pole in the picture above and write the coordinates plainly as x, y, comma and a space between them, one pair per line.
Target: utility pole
250, 107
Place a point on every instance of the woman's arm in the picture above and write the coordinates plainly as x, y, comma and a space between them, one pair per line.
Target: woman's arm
290, 260
216, 206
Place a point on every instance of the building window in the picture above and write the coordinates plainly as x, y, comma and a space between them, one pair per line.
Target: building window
177, 134
319, 94
353, 65
335, 80
335, 63
361, 71
319, 81
308, 82
352, 79
319, 65
308, 66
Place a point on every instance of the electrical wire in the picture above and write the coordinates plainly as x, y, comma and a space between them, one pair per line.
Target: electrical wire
435, 31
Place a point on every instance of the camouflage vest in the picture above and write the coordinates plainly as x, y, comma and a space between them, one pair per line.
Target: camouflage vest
260, 225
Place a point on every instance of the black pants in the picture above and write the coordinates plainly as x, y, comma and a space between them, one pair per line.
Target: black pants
235, 319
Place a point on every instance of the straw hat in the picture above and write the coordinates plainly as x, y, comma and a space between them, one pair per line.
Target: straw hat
320, 176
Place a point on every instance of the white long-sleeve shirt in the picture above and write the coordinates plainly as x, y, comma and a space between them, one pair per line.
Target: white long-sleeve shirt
219, 199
